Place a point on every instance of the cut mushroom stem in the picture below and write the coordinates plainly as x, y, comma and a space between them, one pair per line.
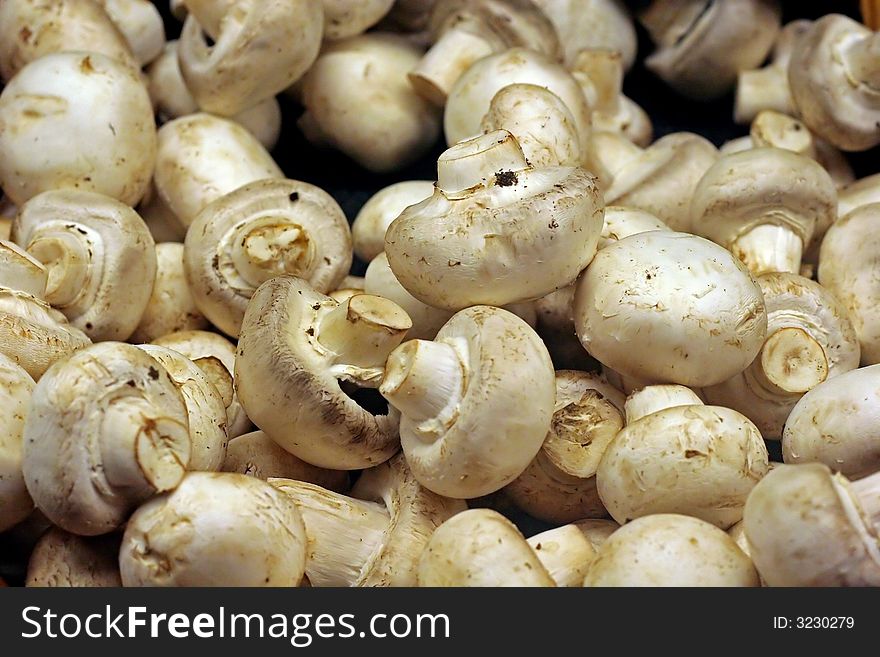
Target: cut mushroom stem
652, 399
476, 161
769, 248
779, 130
445, 63
364, 330
791, 361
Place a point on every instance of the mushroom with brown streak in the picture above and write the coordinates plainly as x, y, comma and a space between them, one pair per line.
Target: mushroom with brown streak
62, 559
373, 537
256, 455
16, 387
265, 229
99, 256
686, 301
32, 333
681, 457
836, 423
701, 45
258, 49
810, 339
76, 120
559, 485
392, 127
766, 205
215, 529
480, 548
141, 25
668, 549
565, 552
475, 404
200, 345
383, 207
848, 269
496, 231
834, 77
296, 350
465, 31
107, 429
807, 526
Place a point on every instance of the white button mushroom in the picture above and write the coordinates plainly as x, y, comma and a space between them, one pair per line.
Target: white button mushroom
465, 31
670, 550
76, 120
375, 537
256, 455
141, 24
296, 348
107, 429
848, 268
30, 29
215, 529
197, 345
262, 230
201, 158
62, 559
836, 423
99, 255
383, 207
809, 527
31, 333
496, 231
476, 403
480, 548
348, 18
559, 485
810, 339
16, 387
682, 299
692, 459
597, 530
359, 101
703, 44
258, 50
861, 192
566, 554
834, 76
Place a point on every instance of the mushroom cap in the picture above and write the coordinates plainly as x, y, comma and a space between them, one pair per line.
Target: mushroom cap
256, 455
76, 120
565, 552
856, 194
383, 207
262, 230
794, 302
393, 125
701, 46
100, 257
171, 307
503, 414
62, 559
682, 299
667, 549
30, 29
622, 222
215, 529
700, 461
204, 408
480, 548
16, 387
838, 423
763, 186
828, 94
284, 381
259, 49
141, 25
472, 94
204, 344
848, 270
107, 428
347, 18
597, 530
806, 528
203, 157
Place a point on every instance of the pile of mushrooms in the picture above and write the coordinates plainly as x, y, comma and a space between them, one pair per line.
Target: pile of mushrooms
501, 336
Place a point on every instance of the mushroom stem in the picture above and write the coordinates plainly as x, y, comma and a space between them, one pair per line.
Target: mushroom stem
652, 399
759, 89
424, 380
20, 271
604, 69
266, 248
472, 163
864, 61
363, 330
867, 491
67, 256
769, 248
791, 362
445, 63
779, 130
